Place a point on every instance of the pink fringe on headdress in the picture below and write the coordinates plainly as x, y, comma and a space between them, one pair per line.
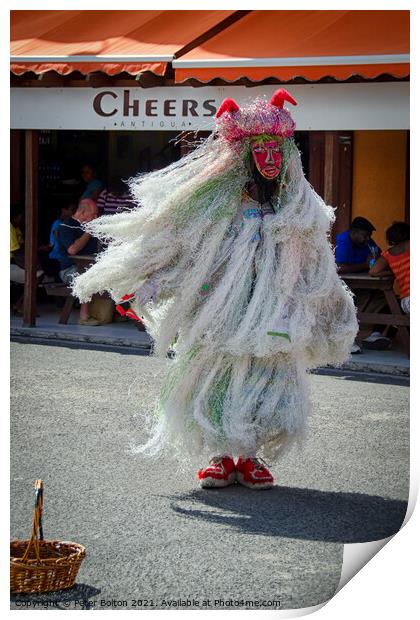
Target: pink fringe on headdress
260, 117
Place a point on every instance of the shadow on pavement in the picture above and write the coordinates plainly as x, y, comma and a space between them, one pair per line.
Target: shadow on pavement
288, 512
56, 600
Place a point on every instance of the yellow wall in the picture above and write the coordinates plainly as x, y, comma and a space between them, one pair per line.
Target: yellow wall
379, 178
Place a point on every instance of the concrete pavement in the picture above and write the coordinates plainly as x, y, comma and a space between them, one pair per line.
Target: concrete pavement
154, 540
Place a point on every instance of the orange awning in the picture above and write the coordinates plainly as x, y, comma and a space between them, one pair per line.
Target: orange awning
107, 41
307, 44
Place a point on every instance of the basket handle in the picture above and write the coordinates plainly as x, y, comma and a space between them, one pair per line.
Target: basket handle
37, 533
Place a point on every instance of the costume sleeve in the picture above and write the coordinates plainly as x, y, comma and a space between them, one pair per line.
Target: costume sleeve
323, 323
321, 313
330, 312
136, 251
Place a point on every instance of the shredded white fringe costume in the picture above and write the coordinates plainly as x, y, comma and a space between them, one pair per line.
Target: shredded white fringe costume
248, 303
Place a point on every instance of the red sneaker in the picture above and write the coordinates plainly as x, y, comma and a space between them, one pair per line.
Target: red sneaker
253, 473
220, 473
124, 308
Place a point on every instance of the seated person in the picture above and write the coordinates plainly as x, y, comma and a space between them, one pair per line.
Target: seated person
93, 186
48, 253
73, 240
17, 253
396, 260
355, 252
66, 212
115, 198
355, 247
17, 256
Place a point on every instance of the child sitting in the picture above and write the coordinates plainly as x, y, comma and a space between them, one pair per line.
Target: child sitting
396, 260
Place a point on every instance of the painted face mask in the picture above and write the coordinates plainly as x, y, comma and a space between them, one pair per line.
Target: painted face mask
267, 157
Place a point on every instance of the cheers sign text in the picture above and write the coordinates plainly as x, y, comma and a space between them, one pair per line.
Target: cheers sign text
108, 103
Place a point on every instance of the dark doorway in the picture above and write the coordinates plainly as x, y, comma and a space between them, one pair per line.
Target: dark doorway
112, 153
302, 142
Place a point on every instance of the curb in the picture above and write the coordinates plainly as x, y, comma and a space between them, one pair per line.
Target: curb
107, 343
44, 336
372, 367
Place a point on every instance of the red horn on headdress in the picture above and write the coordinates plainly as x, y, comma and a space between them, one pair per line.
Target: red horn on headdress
280, 96
227, 105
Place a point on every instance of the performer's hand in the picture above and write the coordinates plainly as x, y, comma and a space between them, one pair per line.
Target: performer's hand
147, 292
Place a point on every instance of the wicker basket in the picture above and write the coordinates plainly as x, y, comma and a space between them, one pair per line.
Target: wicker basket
40, 565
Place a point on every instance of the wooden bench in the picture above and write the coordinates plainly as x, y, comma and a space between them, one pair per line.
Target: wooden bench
395, 317
58, 289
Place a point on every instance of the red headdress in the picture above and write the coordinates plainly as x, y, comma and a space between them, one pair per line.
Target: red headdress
260, 117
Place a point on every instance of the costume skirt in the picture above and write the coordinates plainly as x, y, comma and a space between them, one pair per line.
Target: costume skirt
231, 404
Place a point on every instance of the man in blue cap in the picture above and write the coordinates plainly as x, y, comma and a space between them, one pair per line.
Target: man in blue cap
355, 252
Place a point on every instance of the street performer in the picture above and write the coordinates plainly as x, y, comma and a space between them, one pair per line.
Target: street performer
228, 261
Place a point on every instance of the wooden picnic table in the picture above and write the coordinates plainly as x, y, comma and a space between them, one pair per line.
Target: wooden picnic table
83, 261
363, 281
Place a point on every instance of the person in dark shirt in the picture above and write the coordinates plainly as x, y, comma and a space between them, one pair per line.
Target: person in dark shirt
355, 248
356, 251
73, 240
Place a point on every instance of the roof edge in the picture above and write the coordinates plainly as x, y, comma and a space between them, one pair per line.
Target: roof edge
314, 61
